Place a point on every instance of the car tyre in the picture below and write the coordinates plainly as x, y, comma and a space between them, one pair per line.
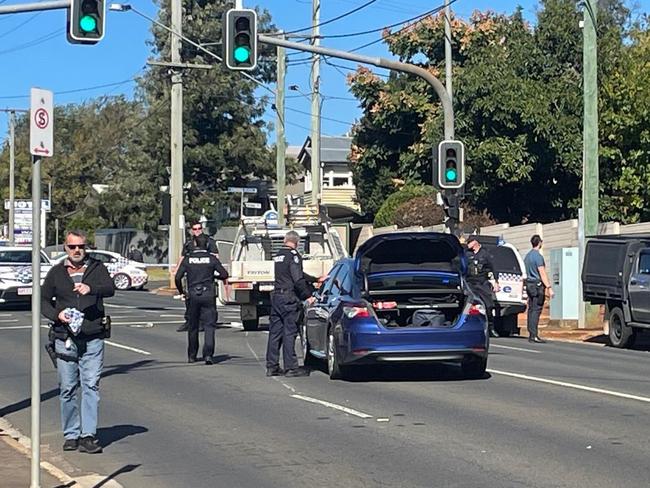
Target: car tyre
621, 335
506, 325
334, 368
308, 359
251, 324
474, 367
122, 281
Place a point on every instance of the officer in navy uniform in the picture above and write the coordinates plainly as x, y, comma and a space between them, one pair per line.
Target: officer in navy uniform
480, 272
196, 227
201, 267
290, 288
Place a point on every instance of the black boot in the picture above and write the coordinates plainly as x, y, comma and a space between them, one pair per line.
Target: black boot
493, 332
183, 328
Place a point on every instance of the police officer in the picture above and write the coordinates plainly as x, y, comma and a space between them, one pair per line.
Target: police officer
291, 286
479, 277
196, 227
201, 268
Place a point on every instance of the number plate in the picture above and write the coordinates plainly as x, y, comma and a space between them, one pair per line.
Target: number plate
24, 291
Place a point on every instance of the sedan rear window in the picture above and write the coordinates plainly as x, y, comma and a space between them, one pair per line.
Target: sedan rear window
18, 257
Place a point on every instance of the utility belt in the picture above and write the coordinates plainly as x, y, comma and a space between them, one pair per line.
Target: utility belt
535, 288
65, 334
285, 291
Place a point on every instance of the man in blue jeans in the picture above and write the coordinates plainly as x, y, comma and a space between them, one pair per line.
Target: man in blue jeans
72, 297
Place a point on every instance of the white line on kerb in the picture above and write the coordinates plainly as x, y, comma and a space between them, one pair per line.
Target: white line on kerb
572, 385
356, 413
516, 348
128, 348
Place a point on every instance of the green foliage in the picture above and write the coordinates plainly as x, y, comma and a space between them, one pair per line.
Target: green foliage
386, 214
518, 108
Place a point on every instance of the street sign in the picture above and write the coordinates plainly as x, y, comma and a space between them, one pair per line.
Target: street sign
252, 205
240, 189
26, 205
41, 127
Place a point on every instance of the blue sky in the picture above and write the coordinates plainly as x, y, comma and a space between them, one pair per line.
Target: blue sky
34, 52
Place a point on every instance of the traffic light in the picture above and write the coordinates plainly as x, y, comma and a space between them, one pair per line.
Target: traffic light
86, 20
240, 39
451, 165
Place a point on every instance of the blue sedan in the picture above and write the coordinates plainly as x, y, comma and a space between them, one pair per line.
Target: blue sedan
401, 299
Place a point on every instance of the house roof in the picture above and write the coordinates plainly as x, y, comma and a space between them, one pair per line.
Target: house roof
332, 150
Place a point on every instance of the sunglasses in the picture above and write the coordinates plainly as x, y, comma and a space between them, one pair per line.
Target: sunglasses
75, 246
197, 228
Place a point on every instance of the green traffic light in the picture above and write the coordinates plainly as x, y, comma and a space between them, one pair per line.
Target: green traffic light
451, 174
242, 54
88, 23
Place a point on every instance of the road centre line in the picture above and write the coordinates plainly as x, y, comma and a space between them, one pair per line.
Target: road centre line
572, 385
516, 348
128, 348
341, 408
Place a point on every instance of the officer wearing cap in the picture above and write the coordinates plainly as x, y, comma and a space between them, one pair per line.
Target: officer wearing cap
291, 286
201, 267
480, 276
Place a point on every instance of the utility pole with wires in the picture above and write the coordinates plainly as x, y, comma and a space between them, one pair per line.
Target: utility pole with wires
280, 144
315, 106
177, 221
12, 169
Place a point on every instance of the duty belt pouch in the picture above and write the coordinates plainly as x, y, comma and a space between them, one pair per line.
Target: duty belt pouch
106, 325
198, 290
532, 289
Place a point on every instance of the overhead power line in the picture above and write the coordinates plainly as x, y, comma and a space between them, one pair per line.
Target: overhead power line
34, 42
15, 28
380, 29
329, 21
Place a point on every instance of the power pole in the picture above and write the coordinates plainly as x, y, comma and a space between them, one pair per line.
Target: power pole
177, 223
12, 168
448, 59
315, 105
280, 144
12, 174
590, 129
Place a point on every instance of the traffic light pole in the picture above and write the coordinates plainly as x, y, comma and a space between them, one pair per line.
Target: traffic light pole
434, 82
451, 196
32, 7
315, 107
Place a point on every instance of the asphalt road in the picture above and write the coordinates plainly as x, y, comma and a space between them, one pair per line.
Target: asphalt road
548, 415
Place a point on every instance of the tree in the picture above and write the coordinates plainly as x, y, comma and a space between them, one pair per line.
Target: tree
224, 135
518, 106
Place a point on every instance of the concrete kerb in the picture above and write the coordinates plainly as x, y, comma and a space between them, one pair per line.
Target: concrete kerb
21, 443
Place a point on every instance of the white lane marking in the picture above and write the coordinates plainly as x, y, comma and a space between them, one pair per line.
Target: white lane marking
172, 315
128, 348
251, 350
572, 385
341, 408
15, 327
119, 306
140, 322
8, 320
516, 348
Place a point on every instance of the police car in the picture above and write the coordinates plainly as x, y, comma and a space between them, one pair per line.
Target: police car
126, 274
16, 274
511, 299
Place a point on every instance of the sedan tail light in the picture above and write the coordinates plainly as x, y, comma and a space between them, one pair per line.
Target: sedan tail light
356, 312
476, 309
384, 305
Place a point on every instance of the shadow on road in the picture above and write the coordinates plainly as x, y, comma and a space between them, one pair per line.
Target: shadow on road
109, 435
54, 392
406, 373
